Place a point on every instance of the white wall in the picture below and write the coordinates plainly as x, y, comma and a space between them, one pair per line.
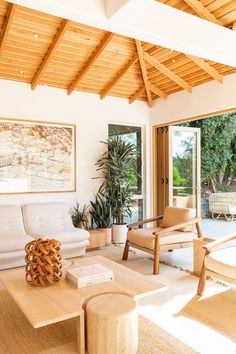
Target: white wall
205, 99
91, 117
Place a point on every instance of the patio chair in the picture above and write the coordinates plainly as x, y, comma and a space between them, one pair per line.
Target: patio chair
177, 230
218, 262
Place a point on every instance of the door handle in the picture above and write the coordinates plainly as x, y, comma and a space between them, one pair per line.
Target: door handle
162, 180
167, 181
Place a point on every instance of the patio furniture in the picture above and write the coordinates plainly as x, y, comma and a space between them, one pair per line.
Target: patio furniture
177, 230
223, 205
218, 262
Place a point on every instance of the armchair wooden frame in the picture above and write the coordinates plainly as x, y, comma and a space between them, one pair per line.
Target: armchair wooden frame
210, 248
161, 248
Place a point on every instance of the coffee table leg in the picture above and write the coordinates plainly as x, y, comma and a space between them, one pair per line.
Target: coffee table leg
81, 334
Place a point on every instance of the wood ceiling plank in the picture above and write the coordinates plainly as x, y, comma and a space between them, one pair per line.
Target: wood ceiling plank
119, 76
140, 52
202, 11
55, 43
98, 51
234, 26
136, 94
158, 91
207, 68
166, 71
6, 27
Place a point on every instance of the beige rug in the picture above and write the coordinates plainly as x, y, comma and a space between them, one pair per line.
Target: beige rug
17, 335
172, 321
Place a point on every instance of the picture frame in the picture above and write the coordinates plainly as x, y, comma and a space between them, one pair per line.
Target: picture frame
37, 157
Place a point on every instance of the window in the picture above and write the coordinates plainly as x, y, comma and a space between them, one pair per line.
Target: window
134, 135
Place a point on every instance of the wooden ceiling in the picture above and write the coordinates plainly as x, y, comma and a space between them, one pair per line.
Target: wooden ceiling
41, 49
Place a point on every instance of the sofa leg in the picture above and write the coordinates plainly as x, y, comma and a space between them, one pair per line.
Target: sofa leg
202, 281
170, 250
156, 257
126, 251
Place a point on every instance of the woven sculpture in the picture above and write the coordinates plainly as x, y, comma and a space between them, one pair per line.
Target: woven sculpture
43, 262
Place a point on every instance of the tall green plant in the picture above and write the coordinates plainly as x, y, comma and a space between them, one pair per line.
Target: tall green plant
116, 165
101, 210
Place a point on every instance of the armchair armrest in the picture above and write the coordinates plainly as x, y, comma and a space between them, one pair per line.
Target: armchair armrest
212, 246
176, 227
146, 221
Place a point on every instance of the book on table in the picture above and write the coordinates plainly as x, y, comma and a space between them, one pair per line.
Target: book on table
89, 275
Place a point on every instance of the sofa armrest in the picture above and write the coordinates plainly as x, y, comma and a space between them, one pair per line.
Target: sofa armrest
176, 227
146, 221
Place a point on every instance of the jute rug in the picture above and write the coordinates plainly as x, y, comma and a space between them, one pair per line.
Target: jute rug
17, 335
172, 321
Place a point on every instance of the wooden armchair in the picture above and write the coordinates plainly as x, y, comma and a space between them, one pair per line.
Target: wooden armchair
176, 231
218, 262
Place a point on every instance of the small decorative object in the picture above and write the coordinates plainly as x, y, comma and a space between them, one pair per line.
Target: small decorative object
43, 262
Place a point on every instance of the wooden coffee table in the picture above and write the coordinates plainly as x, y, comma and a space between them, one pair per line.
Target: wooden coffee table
62, 301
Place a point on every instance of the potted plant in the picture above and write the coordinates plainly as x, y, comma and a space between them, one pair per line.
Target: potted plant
101, 214
117, 167
79, 215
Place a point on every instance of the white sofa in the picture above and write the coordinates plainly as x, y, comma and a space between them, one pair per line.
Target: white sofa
12, 237
19, 226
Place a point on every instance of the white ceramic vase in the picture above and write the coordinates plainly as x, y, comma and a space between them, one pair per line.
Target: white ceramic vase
119, 233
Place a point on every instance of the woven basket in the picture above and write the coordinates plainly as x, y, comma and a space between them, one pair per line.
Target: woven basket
43, 262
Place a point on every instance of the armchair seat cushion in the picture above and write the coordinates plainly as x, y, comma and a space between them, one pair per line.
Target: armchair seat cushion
223, 262
145, 237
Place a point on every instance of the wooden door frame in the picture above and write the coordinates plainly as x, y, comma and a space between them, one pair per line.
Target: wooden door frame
154, 142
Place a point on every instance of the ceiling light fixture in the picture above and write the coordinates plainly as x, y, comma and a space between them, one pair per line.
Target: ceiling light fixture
35, 35
22, 72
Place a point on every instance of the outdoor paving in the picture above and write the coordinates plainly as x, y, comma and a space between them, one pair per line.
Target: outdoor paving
217, 228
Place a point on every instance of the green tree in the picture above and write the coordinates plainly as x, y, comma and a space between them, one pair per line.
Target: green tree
218, 148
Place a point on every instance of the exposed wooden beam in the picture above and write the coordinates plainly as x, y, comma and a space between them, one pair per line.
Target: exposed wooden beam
6, 27
207, 68
167, 72
136, 94
143, 71
98, 51
153, 88
234, 26
119, 76
121, 73
202, 11
51, 50
157, 91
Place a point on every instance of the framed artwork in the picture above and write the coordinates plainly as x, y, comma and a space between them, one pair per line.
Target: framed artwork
37, 157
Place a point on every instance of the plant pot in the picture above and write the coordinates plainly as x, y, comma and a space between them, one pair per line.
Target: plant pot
119, 233
107, 232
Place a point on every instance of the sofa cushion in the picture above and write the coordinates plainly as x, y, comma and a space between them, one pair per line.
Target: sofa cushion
11, 220
47, 218
14, 242
145, 237
67, 236
173, 216
223, 262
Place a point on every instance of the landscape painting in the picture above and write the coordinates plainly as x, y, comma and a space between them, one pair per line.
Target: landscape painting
36, 157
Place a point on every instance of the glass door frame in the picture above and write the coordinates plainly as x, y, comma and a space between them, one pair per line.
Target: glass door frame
197, 178
162, 168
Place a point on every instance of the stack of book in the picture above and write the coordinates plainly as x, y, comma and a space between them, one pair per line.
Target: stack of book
89, 275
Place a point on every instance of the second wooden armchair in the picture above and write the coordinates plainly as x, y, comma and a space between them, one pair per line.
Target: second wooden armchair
177, 230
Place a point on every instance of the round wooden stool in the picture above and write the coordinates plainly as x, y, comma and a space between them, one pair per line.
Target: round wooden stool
112, 325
